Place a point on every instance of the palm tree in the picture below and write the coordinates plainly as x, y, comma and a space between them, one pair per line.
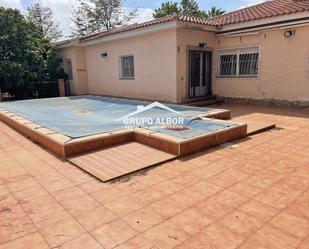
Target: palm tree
214, 11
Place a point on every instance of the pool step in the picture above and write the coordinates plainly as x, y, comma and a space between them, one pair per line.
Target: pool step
255, 127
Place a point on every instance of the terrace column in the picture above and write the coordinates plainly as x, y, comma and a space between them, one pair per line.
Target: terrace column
61, 87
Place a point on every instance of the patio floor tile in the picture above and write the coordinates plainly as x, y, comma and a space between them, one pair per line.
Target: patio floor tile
15, 228
186, 180
8, 199
271, 237
95, 218
143, 219
146, 196
277, 196
57, 185
84, 203
250, 194
218, 236
258, 209
122, 206
213, 209
193, 243
9, 212
206, 189
129, 187
93, 186
167, 207
245, 189
187, 197
59, 229
138, 242
230, 199
107, 194
241, 223
31, 241
68, 194
292, 224
166, 235
42, 208
28, 194
304, 244
82, 242
167, 188
227, 178
191, 220
113, 234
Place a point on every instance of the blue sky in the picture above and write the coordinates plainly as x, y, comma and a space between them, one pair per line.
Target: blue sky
152, 4
205, 4
63, 8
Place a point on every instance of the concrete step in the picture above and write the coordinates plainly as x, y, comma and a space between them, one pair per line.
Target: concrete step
206, 102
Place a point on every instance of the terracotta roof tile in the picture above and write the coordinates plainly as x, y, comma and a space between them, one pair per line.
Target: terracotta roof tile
169, 18
264, 10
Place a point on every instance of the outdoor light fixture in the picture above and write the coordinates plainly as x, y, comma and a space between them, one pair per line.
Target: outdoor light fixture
202, 45
103, 55
288, 33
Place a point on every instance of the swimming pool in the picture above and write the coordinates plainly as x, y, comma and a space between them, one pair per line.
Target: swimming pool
88, 115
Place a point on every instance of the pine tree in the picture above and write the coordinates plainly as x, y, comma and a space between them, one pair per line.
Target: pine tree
190, 8
42, 17
167, 8
186, 7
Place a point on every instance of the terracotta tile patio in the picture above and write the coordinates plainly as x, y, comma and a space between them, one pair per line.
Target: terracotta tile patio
251, 194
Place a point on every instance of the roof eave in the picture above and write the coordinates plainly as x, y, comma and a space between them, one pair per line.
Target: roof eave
67, 43
262, 21
197, 26
130, 33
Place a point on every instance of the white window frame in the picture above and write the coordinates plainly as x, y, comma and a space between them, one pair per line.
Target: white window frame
120, 71
238, 51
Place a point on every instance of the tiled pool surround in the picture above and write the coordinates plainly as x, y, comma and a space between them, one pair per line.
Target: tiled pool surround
74, 125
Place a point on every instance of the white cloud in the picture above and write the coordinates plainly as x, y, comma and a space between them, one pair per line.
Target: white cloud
251, 2
15, 4
143, 15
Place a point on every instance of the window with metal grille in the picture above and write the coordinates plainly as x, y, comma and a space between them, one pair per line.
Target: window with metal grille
68, 68
240, 62
126, 67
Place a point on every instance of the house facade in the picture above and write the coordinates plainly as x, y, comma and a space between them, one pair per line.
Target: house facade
259, 53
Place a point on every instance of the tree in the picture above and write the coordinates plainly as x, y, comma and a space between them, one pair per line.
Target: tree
190, 8
167, 8
14, 44
42, 17
214, 11
25, 55
81, 19
99, 15
186, 7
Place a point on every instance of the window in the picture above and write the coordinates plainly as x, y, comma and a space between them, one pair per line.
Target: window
241, 63
126, 67
68, 68
228, 64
